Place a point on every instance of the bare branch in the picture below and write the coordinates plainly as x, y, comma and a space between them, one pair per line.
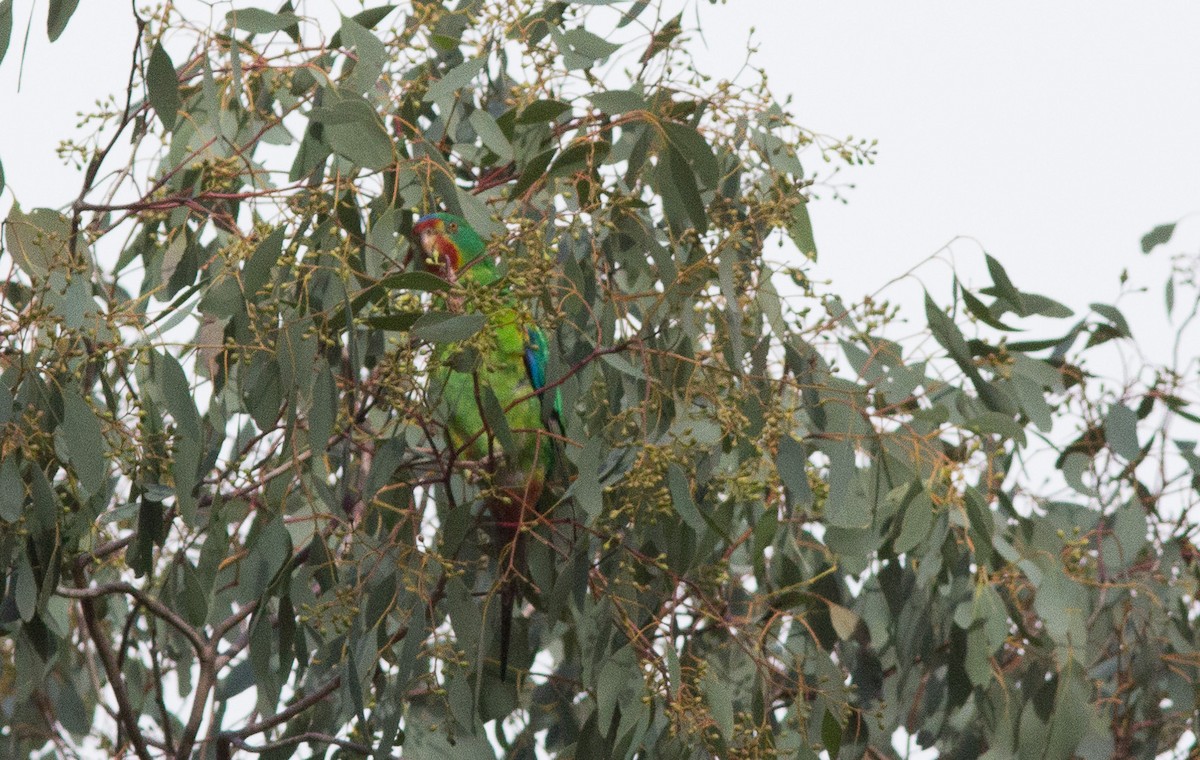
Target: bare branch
116, 680
152, 604
287, 714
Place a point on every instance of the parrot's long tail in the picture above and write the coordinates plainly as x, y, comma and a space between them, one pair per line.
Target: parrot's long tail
508, 599
507, 512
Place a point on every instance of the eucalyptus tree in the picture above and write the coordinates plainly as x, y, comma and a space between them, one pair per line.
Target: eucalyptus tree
232, 523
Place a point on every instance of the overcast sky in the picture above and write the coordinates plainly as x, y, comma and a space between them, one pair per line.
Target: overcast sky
1054, 134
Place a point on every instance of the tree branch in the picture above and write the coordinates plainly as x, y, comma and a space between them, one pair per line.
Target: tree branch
158, 608
109, 659
204, 684
98, 157
285, 715
222, 628
308, 736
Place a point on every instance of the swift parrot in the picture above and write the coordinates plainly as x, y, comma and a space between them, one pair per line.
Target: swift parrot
513, 366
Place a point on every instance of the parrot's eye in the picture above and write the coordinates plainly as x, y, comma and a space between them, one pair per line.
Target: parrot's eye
453, 227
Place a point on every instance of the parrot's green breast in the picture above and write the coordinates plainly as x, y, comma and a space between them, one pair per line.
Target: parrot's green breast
502, 369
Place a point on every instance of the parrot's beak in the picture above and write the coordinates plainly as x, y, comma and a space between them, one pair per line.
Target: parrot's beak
428, 241
437, 260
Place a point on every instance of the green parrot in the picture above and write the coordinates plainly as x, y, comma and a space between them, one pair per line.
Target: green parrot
513, 367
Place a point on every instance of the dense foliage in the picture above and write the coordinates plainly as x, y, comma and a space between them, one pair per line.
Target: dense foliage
230, 521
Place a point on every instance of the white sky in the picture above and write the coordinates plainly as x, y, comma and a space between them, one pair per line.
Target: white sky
1054, 134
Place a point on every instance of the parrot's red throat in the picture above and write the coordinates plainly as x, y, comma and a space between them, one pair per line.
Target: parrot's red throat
441, 254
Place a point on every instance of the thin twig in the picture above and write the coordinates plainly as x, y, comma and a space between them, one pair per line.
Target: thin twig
287, 714
308, 736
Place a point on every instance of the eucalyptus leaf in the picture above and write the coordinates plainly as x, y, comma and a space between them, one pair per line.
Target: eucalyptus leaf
455, 79
492, 136
1114, 316
619, 101
447, 328
1160, 235
85, 441
583, 48
1120, 429
371, 56
355, 132
6, 23
58, 16
681, 499
258, 21
163, 84
12, 489
258, 268
37, 241
720, 700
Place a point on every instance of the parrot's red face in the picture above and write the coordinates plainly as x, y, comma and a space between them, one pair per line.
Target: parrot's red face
435, 236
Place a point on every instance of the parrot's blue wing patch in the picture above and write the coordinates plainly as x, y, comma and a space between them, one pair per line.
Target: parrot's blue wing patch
537, 352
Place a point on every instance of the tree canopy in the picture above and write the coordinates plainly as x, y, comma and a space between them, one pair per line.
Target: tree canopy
231, 523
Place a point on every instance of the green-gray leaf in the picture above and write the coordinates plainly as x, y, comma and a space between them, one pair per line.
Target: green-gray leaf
1120, 430
457, 78
85, 441
718, 695
177, 394
398, 322
367, 19
354, 131
490, 133
1114, 316
1004, 287
6, 22
918, 519
163, 83
792, 465
1157, 236
370, 52
424, 281
448, 328
258, 268
493, 416
618, 101
26, 591
37, 240
801, 231
58, 16
681, 498
831, 733
691, 146
12, 489
582, 48
843, 620
258, 21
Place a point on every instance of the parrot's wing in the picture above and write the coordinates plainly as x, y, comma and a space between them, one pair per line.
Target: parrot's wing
536, 355
537, 352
